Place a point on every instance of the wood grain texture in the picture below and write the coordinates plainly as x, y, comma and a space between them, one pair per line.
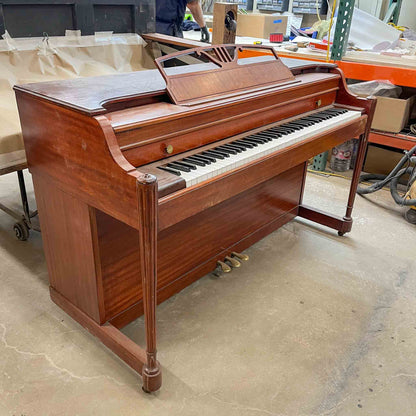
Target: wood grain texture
172, 40
147, 207
332, 221
114, 237
165, 292
81, 155
187, 202
119, 262
187, 133
154, 120
68, 244
91, 95
98, 95
209, 235
12, 162
227, 76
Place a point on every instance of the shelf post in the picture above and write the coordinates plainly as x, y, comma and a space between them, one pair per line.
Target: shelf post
342, 29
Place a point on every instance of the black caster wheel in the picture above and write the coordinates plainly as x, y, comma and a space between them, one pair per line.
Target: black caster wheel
410, 216
340, 233
21, 230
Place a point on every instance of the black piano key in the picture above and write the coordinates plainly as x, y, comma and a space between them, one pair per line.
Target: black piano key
336, 110
283, 130
325, 116
252, 142
245, 144
303, 122
284, 127
329, 110
227, 149
186, 164
170, 170
296, 124
222, 152
208, 156
260, 136
197, 162
176, 166
328, 114
212, 154
314, 119
265, 134
273, 134
218, 154
319, 118
238, 149
293, 126
255, 139
202, 158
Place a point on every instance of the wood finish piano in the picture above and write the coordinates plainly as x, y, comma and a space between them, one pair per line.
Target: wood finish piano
144, 182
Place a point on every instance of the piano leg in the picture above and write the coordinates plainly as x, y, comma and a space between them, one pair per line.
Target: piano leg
342, 225
363, 140
147, 195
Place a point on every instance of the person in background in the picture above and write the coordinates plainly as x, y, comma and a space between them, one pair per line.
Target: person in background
170, 15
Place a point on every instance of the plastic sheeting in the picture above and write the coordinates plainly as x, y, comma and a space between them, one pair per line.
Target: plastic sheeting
376, 89
367, 31
36, 60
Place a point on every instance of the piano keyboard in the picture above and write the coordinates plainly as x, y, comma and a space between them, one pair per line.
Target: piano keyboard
210, 163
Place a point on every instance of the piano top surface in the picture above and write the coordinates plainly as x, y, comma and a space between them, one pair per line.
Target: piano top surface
89, 95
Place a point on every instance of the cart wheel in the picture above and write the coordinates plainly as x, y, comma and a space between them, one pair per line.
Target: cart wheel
340, 233
21, 230
410, 216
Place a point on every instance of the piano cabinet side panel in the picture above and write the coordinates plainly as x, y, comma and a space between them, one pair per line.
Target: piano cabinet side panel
118, 256
80, 154
68, 244
188, 250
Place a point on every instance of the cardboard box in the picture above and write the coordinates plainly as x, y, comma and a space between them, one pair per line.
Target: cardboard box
392, 114
258, 25
381, 160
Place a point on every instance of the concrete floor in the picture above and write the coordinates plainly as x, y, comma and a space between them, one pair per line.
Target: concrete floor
313, 324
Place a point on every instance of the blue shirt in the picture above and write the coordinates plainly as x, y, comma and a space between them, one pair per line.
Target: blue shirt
170, 15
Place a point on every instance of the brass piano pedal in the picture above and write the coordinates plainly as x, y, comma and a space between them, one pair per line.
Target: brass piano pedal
233, 261
225, 268
240, 256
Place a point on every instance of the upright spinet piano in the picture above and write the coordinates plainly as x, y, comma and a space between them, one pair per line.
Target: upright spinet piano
145, 181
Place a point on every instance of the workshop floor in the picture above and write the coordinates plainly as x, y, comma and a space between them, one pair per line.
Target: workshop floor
313, 324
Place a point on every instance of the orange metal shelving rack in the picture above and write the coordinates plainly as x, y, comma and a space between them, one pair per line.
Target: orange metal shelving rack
403, 76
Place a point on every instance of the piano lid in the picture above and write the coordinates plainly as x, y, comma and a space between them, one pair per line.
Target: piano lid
92, 96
